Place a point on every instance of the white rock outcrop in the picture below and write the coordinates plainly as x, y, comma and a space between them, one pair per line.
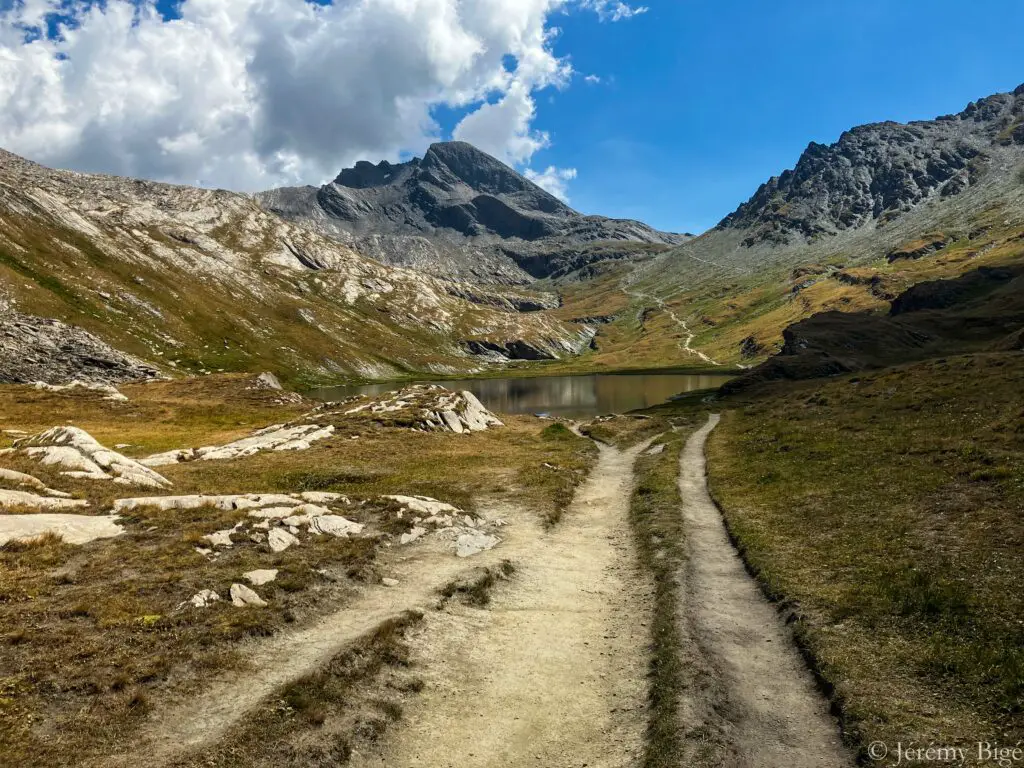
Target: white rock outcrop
28, 481
225, 503
109, 391
430, 407
74, 529
80, 455
424, 505
279, 539
26, 499
334, 525
279, 437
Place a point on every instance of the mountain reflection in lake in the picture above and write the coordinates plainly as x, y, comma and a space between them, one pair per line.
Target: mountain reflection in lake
569, 396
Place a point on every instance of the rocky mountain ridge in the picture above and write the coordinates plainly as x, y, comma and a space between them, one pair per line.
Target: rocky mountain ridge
459, 212
202, 280
875, 172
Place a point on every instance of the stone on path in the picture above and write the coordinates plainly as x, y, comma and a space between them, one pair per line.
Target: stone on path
474, 542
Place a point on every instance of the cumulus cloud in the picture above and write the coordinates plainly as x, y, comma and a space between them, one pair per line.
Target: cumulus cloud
554, 180
592, 79
249, 94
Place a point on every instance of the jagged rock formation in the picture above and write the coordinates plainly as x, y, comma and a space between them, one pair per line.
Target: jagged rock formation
876, 172
200, 281
40, 349
424, 407
460, 212
882, 190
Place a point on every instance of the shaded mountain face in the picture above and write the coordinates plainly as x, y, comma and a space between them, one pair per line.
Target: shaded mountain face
876, 172
458, 212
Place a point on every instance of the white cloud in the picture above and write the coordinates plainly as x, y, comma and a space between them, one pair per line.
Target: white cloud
593, 79
614, 10
554, 180
248, 94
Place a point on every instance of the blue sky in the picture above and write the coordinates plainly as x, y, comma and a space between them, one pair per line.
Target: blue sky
702, 101
697, 103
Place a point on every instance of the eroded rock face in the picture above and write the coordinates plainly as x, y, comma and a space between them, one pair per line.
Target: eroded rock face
879, 170
39, 349
80, 455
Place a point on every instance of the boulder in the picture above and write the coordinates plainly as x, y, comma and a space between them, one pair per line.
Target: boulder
243, 597
260, 577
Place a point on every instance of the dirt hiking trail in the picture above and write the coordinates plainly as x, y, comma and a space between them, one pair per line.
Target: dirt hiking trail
184, 728
751, 689
553, 673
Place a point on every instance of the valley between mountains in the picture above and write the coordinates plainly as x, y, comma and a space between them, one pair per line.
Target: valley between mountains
204, 564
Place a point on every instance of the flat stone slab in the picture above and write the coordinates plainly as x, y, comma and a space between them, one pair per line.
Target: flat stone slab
26, 499
74, 529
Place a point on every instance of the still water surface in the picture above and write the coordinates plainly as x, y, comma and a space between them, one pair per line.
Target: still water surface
569, 396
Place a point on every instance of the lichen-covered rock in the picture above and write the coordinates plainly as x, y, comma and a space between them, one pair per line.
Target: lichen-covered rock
81, 456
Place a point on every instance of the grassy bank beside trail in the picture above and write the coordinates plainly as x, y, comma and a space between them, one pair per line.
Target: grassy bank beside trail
657, 522
887, 508
659, 531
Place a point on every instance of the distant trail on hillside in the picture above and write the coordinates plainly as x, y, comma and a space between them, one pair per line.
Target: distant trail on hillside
751, 689
689, 335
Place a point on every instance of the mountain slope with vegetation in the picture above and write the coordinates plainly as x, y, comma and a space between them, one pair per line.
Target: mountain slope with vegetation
850, 227
206, 280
